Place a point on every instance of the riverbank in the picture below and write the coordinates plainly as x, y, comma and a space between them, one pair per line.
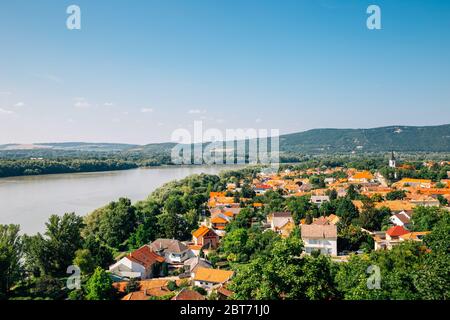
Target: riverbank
30, 200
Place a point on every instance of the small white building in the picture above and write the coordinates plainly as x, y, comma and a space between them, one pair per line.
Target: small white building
173, 251
210, 278
317, 237
318, 200
138, 264
402, 219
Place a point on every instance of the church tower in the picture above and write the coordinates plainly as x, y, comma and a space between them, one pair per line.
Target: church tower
392, 161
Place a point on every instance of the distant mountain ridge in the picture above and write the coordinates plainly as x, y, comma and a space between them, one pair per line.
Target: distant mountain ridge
382, 139
399, 138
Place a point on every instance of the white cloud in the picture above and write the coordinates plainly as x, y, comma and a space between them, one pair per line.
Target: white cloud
49, 77
146, 110
81, 103
19, 104
196, 111
4, 111
5, 93
258, 120
108, 104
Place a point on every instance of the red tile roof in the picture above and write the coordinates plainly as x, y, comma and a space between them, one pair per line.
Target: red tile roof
187, 294
145, 256
396, 231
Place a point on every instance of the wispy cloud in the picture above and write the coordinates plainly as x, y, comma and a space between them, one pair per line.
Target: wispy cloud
258, 120
196, 111
4, 111
81, 103
5, 93
49, 77
108, 104
19, 104
146, 110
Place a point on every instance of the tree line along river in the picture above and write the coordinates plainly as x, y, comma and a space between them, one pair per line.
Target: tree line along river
30, 200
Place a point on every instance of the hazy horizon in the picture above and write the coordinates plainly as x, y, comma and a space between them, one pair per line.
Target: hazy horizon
168, 141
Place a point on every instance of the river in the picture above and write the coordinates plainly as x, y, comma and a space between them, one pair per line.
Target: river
31, 200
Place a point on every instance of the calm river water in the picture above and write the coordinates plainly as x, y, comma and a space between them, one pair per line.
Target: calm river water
29, 201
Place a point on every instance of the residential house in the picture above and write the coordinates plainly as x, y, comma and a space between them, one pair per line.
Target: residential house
219, 223
395, 206
209, 278
424, 200
143, 295
224, 293
318, 200
324, 220
188, 295
402, 219
191, 265
408, 182
141, 263
321, 237
362, 177
261, 188
390, 238
205, 237
173, 251
281, 223
413, 236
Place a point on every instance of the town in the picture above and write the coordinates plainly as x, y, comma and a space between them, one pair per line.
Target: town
337, 212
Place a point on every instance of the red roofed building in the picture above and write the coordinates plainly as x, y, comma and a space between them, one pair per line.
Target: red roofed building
390, 238
189, 295
140, 263
395, 232
205, 237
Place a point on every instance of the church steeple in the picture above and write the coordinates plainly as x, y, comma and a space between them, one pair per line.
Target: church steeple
392, 161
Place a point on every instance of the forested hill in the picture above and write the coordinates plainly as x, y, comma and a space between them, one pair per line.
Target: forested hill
326, 141
399, 138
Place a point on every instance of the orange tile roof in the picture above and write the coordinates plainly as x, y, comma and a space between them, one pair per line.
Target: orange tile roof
186, 294
414, 235
393, 205
145, 256
362, 175
200, 231
213, 275
145, 284
216, 194
396, 231
218, 220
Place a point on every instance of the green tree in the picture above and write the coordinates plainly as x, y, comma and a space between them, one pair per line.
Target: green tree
85, 261
396, 195
10, 257
173, 226
99, 286
346, 211
117, 222
425, 218
52, 253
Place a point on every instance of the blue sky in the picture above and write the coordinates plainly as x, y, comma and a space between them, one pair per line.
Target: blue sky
138, 70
